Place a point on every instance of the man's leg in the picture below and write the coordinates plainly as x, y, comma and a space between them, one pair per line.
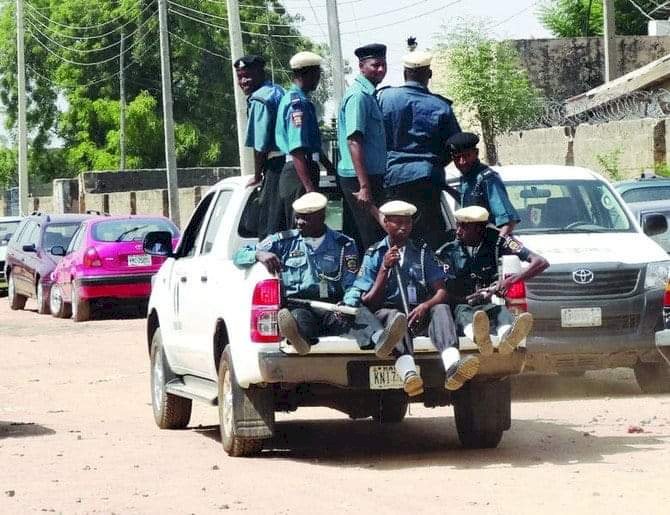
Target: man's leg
368, 228
473, 322
404, 354
271, 216
300, 326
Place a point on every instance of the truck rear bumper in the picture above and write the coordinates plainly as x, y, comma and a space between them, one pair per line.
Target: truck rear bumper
663, 343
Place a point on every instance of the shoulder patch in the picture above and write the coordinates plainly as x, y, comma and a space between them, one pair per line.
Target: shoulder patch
284, 235
512, 244
351, 262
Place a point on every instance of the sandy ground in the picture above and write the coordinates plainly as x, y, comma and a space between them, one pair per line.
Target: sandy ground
77, 436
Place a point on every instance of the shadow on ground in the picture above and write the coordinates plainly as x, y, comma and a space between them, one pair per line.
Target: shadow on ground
23, 430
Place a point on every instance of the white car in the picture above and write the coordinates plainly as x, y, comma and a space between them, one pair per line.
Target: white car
212, 336
8, 226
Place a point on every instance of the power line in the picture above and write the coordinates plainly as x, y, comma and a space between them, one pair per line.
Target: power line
323, 32
521, 11
183, 40
644, 13
88, 27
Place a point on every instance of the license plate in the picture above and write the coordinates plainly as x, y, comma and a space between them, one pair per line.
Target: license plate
385, 377
139, 260
581, 317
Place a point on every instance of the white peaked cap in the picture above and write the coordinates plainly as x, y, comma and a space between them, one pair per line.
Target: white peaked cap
397, 208
417, 59
472, 214
310, 203
304, 59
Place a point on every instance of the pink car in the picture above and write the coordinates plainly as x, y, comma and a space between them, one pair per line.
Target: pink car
105, 259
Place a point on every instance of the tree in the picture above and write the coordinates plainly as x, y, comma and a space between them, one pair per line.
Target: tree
486, 80
575, 18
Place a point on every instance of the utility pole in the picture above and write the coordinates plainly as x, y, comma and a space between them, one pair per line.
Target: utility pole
336, 51
611, 71
122, 105
168, 121
23, 126
236, 51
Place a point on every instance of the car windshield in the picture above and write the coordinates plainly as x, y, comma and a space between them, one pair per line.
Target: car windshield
129, 230
6, 231
647, 194
59, 235
568, 206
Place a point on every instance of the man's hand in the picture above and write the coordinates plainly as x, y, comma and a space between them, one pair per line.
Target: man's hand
254, 181
504, 285
363, 195
416, 316
391, 258
270, 260
479, 297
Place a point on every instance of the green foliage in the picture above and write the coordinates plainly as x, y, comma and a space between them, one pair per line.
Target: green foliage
662, 169
8, 166
610, 163
575, 18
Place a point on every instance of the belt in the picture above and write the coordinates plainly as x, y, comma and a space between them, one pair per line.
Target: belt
275, 153
314, 156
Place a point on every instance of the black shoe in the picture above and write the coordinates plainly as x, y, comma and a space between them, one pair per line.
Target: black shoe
463, 370
395, 330
288, 328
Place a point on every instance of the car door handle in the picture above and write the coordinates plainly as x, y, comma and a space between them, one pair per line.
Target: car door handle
183, 278
203, 278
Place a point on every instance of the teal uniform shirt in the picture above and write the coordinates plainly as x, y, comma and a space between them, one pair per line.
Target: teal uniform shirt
297, 125
483, 187
360, 112
262, 106
419, 271
323, 273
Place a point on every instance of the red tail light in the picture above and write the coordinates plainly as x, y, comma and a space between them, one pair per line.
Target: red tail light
666, 296
516, 297
666, 306
91, 258
264, 307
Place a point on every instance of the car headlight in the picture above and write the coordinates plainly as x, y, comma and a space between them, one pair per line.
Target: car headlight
657, 275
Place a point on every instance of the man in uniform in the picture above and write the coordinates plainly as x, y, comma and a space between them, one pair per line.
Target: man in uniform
399, 276
480, 185
360, 133
263, 99
317, 263
418, 124
471, 265
297, 134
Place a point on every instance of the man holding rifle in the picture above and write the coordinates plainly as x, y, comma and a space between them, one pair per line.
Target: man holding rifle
316, 265
399, 276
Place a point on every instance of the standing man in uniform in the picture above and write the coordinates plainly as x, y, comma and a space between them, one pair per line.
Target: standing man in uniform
297, 134
471, 265
360, 133
317, 263
399, 276
263, 99
418, 124
480, 185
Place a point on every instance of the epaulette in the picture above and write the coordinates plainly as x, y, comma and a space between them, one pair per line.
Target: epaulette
375, 246
343, 238
383, 88
285, 235
444, 248
448, 101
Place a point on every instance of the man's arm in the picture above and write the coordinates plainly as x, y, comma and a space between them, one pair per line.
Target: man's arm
500, 205
355, 143
374, 298
327, 163
259, 164
419, 312
537, 265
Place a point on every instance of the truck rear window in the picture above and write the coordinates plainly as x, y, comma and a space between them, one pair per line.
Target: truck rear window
130, 230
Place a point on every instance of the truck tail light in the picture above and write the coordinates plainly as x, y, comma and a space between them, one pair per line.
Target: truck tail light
516, 298
265, 305
91, 258
666, 306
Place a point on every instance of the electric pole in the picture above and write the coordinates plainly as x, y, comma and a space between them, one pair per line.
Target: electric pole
122, 105
336, 51
236, 51
609, 26
23, 126
168, 121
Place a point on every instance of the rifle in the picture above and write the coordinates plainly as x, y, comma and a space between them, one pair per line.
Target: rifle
326, 306
403, 296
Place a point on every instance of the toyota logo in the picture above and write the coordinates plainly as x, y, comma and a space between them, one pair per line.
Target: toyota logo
582, 276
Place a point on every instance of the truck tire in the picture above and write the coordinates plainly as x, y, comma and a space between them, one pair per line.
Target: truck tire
392, 408
482, 413
42, 300
170, 411
58, 307
653, 377
81, 308
246, 416
16, 301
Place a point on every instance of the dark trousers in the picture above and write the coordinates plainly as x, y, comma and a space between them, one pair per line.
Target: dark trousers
313, 323
365, 229
438, 326
291, 188
270, 209
428, 221
498, 315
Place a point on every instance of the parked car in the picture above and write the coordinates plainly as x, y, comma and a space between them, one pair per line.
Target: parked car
600, 302
8, 226
646, 188
29, 262
105, 260
643, 210
212, 336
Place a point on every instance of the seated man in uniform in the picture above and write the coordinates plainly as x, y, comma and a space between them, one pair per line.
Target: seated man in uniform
317, 263
398, 276
471, 265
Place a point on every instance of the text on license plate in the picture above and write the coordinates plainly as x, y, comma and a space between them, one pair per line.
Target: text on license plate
139, 260
581, 317
385, 377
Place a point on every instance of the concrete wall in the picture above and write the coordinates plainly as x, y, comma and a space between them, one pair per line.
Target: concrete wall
565, 67
642, 144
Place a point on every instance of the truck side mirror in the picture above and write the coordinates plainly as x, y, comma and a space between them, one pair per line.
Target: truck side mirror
654, 223
158, 243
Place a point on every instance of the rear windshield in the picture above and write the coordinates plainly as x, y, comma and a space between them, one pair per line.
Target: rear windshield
129, 230
647, 194
59, 235
7, 229
567, 207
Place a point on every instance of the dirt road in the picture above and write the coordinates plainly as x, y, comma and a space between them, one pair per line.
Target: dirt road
77, 436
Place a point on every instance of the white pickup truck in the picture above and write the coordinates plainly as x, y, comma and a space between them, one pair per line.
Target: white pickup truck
212, 336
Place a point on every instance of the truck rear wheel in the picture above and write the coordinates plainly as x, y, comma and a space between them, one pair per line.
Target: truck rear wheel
392, 408
653, 377
482, 412
246, 416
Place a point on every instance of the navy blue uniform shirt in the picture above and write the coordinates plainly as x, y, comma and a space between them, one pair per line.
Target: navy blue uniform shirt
483, 187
